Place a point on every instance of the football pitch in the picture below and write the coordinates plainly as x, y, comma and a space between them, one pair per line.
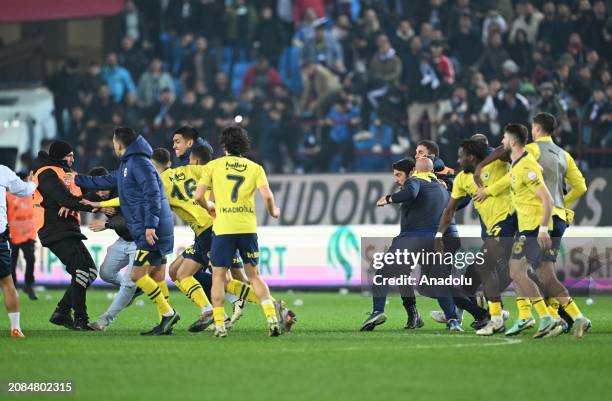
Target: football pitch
324, 358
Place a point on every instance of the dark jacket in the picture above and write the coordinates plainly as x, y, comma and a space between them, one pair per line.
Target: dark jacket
184, 159
115, 222
142, 196
54, 196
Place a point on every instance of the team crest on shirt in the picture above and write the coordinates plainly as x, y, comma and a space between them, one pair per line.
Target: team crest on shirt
486, 175
125, 172
532, 175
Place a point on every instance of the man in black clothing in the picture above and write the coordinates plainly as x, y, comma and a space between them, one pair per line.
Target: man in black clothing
59, 198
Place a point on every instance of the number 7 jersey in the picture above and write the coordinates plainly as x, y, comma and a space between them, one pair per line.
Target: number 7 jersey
233, 181
180, 184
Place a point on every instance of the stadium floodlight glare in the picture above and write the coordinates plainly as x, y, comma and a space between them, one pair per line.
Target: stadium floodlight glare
238, 119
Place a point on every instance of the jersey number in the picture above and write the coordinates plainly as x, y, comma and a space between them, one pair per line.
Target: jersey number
239, 180
189, 187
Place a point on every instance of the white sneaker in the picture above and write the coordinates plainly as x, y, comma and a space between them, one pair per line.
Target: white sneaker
220, 331
273, 327
493, 327
438, 316
237, 310
101, 324
557, 330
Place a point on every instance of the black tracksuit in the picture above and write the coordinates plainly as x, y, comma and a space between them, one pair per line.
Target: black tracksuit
63, 236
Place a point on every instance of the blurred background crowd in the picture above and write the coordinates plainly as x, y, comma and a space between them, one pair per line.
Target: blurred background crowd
344, 85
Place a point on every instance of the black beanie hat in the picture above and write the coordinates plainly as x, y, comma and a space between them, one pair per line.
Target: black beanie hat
59, 149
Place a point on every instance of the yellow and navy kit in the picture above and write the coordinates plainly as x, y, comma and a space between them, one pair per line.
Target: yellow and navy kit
233, 181
494, 209
180, 184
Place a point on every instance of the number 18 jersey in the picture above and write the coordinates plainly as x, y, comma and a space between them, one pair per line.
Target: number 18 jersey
233, 180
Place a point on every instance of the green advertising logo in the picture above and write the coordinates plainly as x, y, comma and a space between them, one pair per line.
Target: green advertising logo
343, 246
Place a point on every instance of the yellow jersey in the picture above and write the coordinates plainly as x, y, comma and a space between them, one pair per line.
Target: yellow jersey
494, 208
233, 180
525, 180
573, 177
180, 184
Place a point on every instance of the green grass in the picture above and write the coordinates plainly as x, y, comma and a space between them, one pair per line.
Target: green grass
325, 358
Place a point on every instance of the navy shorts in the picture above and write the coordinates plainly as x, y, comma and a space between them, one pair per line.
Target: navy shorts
505, 228
225, 247
559, 226
148, 258
199, 252
5, 258
526, 247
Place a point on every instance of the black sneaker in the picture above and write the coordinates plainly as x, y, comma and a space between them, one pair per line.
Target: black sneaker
478, 324
165, 326
28, 289
82, 325
138, 293
414, 322
62, 319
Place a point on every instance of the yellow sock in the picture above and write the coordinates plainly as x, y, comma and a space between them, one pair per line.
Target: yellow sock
572, 309
553, 307
150, 287
540, 306
163, 286
242, 291
495, 309
219, 316
269, 309
193, 290
524, 308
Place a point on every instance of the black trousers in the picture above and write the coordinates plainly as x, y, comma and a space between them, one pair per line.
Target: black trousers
28, 254
79, 263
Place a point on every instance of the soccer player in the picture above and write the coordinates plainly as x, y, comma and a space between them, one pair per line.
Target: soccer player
184, 140
119, 255
57, 200
233, 180
496, 214
147, 212
559, 170
9, 182
534, 205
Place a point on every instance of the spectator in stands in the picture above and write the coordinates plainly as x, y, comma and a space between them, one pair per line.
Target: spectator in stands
152, 82
493, 22
132, 57
319, 85
385, 70
221, 87
594, 113
133, 24
90, 81
118, 78
324, 49
494, 55
423, 89
435, 13
240, 23
342, 119
465, 45
512, 108
188, 111
199, 68
302, 7
101, 109
521, 52
261, 77
64, 85
161, 118
181, 16
131, 111
269, 36
528, 20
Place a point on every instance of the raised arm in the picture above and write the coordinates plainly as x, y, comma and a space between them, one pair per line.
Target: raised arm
16, 185
100, 182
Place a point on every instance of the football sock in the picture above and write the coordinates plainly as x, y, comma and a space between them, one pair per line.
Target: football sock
495, 310
242, 291
150, 287
219, 316
163, 286
572, 309
14, 318
524, 308
269, 309
540, 307
553, 307
193, 290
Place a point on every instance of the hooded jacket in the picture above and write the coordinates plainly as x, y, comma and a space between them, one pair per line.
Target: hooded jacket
142, 196
55, 195
184, 159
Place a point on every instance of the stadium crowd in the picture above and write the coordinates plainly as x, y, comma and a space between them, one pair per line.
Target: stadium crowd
343, 85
